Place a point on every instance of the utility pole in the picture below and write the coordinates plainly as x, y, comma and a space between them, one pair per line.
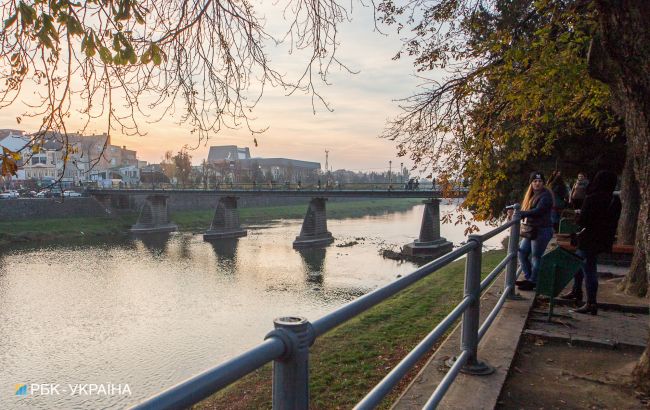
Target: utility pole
327, 160
327, 169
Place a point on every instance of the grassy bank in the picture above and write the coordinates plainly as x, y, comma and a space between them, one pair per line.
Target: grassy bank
346, 363
76, 227
193, 220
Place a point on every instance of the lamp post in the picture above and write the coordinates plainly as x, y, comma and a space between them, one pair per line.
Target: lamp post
390, 168
401, 173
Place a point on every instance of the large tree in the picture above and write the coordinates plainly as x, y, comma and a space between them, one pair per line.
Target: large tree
518, 90
620, 56
114, 61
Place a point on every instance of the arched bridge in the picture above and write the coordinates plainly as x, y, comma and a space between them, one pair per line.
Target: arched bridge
154, 213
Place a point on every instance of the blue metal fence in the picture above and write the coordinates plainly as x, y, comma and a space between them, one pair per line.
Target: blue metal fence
288, 344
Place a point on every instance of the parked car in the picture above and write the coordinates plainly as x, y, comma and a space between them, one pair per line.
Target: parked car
9, 195
45, 193
73, 194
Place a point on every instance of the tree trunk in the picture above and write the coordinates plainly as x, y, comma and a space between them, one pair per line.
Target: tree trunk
636, 280
620, 57
630, 200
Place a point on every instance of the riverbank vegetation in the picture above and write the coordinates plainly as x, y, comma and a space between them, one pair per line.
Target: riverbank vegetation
347, 362
86, 227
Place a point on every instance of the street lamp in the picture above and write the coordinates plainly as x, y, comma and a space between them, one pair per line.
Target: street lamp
390, 168
401, 172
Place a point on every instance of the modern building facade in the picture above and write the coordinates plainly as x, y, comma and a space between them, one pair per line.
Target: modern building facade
235, 164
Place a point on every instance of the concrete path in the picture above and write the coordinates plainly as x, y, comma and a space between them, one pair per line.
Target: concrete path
625, 330
497, 348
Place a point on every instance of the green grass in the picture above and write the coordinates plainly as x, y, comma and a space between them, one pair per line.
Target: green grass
192, 220
347, 362
61, 228
84, 227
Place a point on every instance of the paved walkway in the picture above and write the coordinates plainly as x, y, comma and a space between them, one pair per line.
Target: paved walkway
576, 361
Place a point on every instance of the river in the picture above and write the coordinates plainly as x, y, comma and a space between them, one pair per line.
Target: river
146, 313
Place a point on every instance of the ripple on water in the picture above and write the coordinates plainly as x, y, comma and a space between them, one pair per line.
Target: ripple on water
152, 312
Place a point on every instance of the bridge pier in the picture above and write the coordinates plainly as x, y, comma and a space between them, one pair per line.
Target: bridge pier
314, 231
225, 223
429, 243
154, 216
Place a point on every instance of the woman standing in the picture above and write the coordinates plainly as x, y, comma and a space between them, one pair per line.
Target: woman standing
598, 219
536, 229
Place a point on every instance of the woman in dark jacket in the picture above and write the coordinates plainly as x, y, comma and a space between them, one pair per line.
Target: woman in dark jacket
598, 219
537, 229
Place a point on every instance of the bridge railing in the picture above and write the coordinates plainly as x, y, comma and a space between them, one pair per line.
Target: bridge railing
277, 186
288, 344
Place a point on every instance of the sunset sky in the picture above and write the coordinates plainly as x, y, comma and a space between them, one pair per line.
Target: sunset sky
361, 102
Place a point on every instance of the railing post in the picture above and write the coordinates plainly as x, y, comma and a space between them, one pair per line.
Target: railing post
469, 331
513, 249
291, 371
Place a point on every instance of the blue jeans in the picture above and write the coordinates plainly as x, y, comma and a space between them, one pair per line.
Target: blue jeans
589, 273
530, 265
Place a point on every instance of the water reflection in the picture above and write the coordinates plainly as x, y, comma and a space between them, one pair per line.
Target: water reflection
226, 252
184, 247
313, 261
155, 243
153, 310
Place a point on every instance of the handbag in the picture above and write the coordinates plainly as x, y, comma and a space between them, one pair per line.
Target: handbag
528, 231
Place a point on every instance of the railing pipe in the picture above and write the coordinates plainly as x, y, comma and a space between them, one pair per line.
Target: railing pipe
353, 308
493, 314
513, 249
291, 371
495, 231
192, 390
449, 378
469, 331
495, 272
376, 395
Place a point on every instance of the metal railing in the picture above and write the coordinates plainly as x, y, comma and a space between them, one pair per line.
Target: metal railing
278, 186
288, 344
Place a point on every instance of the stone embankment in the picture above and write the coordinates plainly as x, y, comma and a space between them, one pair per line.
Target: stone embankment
46, 208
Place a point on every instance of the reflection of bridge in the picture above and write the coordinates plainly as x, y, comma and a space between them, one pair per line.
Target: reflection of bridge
154, 213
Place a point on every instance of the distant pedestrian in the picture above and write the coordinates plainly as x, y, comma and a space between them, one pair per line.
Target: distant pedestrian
536, 229
598, 219
319, 184
560, 196
579, 191
416, 185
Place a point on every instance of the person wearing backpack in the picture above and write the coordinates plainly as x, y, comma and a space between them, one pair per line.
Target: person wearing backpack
598, 219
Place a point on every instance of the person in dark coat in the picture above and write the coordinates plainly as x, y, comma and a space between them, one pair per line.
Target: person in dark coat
537, 229
598, 219
560, 194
